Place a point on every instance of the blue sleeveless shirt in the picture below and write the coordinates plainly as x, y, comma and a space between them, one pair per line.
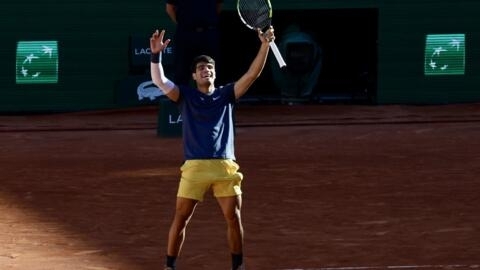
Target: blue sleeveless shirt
207, 122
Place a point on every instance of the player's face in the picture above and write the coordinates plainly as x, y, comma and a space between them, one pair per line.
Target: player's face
204, 73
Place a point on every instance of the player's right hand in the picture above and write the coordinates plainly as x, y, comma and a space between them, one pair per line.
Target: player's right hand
157, 44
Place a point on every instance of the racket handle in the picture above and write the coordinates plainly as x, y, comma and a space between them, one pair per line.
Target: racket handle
277, 54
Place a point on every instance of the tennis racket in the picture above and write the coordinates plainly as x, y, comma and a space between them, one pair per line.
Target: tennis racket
258, 14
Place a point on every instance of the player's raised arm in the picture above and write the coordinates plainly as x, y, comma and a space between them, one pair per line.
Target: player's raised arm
256, 67
157, 45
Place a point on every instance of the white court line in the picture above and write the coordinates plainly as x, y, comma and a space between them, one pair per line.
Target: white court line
447, 266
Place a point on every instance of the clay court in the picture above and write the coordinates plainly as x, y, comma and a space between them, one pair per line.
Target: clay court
337, 187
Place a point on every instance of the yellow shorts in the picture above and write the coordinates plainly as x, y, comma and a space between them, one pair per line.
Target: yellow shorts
198, 176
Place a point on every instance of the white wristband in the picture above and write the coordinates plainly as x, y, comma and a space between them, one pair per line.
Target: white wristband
167, 86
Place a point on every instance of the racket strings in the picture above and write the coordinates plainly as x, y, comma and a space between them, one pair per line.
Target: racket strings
255, 13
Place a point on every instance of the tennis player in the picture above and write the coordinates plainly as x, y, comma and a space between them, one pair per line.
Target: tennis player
208, 142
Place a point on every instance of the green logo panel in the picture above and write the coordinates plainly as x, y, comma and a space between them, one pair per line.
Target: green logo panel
445, 54
37, 62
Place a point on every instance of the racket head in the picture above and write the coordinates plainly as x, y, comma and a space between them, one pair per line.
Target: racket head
255, 13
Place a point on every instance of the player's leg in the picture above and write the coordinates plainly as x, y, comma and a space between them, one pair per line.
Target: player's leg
231, 209
176, 236
228, 192
190, 192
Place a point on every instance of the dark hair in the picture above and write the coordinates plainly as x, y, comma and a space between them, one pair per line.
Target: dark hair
199, 59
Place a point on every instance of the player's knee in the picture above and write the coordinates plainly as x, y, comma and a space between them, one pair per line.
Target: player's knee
232, 217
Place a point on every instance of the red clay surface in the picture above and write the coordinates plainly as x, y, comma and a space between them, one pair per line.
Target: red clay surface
326, 187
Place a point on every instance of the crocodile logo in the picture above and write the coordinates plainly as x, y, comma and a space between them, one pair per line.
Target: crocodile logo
148, 90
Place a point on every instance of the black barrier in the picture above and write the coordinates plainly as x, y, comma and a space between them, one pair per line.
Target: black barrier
169, 119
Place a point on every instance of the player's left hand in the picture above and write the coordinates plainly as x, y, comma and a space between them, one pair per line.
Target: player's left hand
267, 35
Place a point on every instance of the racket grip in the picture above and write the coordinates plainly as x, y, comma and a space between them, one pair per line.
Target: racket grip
277, 54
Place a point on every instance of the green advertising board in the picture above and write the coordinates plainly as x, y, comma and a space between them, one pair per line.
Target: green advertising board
445, 54
36, 62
